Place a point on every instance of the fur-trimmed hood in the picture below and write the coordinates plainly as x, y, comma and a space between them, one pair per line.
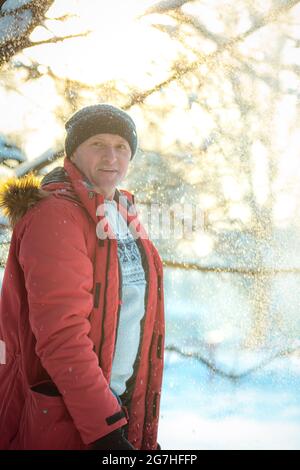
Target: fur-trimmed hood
17, 195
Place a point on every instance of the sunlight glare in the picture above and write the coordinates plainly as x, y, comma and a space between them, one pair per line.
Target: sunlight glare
119, 46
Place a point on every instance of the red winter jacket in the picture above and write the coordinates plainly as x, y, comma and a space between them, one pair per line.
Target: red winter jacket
58, 318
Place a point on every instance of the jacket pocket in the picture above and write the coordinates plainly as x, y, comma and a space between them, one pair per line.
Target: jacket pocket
46, 425
46, 388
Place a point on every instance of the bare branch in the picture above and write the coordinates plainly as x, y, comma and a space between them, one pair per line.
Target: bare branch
165, 6
54, 40
61, 18
273, 15
191, 20
231, 375
233, 270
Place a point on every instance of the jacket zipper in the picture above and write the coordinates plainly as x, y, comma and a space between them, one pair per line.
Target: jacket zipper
105, 299
120, 304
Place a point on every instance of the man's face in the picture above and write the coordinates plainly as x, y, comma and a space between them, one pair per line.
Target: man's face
104, 160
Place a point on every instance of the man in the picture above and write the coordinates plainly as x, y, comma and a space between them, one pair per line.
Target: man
82, 313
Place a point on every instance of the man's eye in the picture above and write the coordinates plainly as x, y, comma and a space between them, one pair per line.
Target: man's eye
98, 144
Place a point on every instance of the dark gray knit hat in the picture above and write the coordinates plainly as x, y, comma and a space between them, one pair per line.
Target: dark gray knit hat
99, 119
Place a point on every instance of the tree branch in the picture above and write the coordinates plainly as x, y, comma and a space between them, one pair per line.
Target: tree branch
193, 21
54, 40
231, 375
165, 6
12, 46
180, 72
272, 16
230, 270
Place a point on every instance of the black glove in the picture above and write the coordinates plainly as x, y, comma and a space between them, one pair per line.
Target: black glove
116, 440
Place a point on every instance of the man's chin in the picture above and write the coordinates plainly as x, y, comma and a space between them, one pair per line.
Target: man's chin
105, 190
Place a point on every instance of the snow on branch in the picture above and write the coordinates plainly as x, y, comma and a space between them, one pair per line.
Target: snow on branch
14, 26
11, 5
165, 5
18, 18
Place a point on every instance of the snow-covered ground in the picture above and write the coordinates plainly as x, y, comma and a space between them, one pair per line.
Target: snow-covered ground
201, 411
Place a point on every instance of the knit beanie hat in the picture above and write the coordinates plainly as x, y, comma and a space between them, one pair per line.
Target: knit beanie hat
99, 119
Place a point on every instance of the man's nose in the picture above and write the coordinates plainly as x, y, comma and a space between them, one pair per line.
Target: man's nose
109, 154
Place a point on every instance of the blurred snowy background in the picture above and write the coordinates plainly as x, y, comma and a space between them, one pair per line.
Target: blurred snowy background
213, 86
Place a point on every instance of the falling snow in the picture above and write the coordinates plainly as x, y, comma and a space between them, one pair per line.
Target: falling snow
223, 136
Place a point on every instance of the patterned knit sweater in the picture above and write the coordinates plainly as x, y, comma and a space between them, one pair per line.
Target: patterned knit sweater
133, 299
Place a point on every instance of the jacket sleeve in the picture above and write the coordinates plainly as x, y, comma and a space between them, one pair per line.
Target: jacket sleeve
59, 281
